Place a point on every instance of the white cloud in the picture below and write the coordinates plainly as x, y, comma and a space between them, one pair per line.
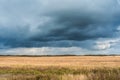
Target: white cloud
44, 51
104, 44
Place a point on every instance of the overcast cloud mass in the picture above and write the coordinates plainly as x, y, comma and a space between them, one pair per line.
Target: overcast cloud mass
87, 25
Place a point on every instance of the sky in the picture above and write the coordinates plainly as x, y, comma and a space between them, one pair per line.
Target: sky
56, 27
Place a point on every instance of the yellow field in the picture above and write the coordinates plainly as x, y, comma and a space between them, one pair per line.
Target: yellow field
68, 61
60, 68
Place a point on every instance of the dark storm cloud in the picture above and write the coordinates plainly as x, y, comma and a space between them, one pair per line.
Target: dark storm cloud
82, 21
58, 23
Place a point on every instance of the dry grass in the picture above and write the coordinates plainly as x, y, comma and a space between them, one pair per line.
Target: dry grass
60, 68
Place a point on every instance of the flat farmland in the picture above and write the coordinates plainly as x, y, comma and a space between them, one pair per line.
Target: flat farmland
67, 61
60, 68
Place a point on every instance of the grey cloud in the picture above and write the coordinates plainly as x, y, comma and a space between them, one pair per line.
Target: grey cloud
58, 23
81, 22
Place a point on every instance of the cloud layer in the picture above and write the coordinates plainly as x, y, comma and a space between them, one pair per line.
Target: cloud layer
88, 24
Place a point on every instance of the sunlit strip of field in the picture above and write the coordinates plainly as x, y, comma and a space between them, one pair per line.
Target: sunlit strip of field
67, 61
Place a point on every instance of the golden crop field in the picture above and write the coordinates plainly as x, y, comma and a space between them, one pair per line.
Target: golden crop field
60, 68
67, 61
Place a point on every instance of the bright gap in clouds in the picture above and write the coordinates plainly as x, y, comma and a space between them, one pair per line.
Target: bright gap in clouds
57, 51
